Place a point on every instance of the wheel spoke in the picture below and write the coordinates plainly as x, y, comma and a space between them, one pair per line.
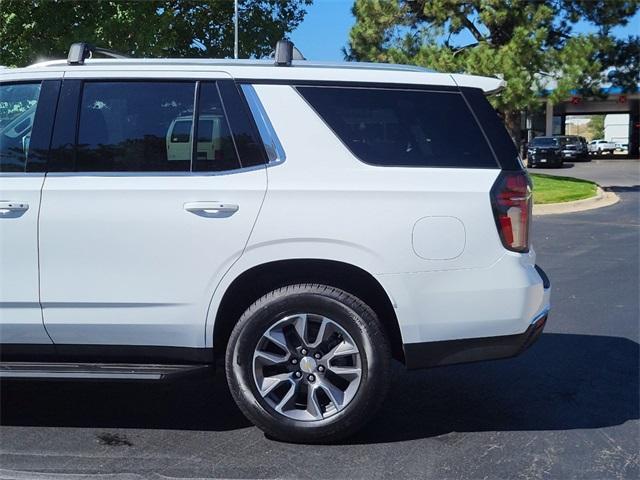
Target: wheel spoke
322, 332
300, 324
346, 371
277, 337
329, 342
287, 398
268, 358
340, 350
292, 334
335, 394
313, 407
269, 383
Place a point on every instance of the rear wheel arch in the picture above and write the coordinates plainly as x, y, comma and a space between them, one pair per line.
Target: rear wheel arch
255, 282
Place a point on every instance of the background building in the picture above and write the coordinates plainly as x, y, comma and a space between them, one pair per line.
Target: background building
570, 117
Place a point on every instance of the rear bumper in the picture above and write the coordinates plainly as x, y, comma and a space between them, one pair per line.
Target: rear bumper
450, 352
571, 154
532, 296
549, 160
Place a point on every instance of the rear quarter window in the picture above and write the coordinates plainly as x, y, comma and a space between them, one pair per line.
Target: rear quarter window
400, 127
493, 126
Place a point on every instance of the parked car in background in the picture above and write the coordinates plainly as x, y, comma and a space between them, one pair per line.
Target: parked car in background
573, 147
622, 147
583, 147
546, 152
599, 147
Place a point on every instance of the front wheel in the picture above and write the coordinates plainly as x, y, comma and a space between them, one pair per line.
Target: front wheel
308, 363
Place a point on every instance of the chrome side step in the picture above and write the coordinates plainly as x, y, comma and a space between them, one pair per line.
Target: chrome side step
104, 371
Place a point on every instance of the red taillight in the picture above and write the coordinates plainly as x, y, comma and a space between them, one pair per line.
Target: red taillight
511, 201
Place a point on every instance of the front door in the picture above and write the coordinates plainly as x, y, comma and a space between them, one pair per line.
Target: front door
134, 238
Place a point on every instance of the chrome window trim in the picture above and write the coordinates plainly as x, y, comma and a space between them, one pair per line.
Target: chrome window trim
270, 139
122, 174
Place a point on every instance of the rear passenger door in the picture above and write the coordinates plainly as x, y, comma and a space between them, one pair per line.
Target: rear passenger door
26, 117
138, 226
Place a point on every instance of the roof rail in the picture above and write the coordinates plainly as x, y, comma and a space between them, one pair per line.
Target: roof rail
78, 52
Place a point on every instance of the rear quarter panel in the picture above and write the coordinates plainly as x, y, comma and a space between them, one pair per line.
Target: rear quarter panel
323, 202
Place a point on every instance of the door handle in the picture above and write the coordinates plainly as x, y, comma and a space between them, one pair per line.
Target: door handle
8, 207
211, 209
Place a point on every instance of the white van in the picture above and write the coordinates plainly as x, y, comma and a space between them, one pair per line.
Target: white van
209, 134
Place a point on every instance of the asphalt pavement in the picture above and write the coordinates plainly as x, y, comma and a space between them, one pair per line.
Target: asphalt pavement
567, 408
607, 173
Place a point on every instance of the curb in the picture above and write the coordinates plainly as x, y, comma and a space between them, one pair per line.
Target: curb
602, 199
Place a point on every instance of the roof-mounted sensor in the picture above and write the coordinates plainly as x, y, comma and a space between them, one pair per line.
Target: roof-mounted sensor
79, 52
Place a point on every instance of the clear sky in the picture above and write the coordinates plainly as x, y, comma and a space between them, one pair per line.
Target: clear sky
325, 30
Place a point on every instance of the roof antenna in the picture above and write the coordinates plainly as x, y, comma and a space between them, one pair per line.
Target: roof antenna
285, 52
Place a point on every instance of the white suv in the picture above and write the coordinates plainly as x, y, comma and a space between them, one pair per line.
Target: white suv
328, 219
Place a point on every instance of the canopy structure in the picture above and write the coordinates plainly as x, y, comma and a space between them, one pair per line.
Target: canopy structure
613, 102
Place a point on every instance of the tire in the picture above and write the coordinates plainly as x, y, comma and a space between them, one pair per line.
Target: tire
338, 311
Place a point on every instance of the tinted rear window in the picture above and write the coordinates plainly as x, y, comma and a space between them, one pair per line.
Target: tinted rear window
567, 140
123, 126
394, 127
544, 142
494, 129
133, 126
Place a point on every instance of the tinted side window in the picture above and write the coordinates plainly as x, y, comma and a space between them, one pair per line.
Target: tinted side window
394, 127
494, 128
215, 149
18, 104
125, 126
250, 149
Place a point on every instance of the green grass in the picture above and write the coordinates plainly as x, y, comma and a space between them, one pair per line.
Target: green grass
550, 189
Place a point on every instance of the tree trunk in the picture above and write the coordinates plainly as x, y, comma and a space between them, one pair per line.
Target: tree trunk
512, 120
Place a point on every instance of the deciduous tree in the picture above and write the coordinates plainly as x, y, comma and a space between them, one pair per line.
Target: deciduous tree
38, 29
531, 44
596, 127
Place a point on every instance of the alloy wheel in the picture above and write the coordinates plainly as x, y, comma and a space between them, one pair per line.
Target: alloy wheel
307, 367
